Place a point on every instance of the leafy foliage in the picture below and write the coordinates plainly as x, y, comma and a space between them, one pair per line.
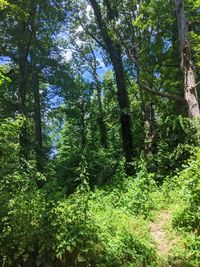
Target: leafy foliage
188, 216
94, 136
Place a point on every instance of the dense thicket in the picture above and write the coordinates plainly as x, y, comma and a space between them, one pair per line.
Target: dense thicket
99, 130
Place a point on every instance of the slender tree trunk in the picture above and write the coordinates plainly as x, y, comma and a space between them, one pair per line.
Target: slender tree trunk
114, 50
187, 66
101, 123
83, 138
23, 79
37, 118
81, 106
149, 128
148, 121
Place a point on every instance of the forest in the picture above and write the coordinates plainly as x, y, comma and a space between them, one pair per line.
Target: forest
99, 133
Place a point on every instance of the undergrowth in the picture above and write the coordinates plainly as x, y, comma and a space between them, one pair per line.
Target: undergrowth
107, 226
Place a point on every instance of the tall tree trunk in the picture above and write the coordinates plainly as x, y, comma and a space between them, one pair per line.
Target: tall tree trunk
148, 119
114, 50
101, 123
23, 54
125, 117
81, 107
37, 118
187, 66
23, 79
82, 121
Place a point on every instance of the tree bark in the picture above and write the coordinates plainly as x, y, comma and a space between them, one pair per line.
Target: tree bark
82, 125
187, 66
149, 128
23, 54
37, 118
101, 123
114, 51
23, 77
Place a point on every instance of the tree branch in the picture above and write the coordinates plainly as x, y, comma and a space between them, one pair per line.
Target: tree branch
143, 86
166, 95
91, 35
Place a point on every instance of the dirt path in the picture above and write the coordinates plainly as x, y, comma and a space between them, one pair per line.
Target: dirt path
159, 233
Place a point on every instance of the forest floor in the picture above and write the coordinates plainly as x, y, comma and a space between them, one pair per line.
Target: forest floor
166, 241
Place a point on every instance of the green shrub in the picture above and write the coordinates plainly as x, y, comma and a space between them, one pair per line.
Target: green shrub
136, 195
122, 239
187, 213
89, 229
188, 216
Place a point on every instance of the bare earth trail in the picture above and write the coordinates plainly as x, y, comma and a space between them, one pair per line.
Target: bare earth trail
159, 234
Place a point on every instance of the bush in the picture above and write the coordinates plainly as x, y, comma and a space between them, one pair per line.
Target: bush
90, 230
188, 216
135, 195
122, 238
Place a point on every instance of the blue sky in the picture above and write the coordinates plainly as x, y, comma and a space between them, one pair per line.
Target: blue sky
4, 60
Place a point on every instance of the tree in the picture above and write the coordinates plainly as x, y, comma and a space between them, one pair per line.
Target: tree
32, 49
115, 52
187, 65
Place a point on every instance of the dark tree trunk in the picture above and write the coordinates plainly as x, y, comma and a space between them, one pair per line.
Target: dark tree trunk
125, 117
23, 54
114, 50
187, 66
37, 118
